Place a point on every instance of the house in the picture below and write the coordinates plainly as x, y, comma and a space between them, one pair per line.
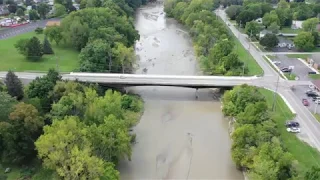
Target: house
284, 42
296, 24
3, 10
53, 23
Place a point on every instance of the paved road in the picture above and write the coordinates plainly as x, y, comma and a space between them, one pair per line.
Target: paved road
275, 53
11, 32
309, 124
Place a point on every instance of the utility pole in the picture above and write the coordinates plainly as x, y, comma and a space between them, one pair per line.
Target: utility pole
250, 40
243, 69
275, 93
238, 36
57, 62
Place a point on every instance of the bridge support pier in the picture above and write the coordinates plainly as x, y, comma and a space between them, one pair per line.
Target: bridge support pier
196, 93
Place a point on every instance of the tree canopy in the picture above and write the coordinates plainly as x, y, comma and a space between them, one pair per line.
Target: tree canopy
256, 147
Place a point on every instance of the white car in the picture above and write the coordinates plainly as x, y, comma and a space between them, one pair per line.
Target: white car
293, 130
276, 62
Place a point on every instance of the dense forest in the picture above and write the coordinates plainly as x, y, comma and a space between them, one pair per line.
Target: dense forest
56, 129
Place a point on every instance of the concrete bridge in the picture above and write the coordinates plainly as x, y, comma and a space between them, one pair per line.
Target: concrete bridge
124, 80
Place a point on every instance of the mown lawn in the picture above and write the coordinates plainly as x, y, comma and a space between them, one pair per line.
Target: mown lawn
66, 58
289, 30
302, 56
305, 154
245, 56
290, 76
314, 76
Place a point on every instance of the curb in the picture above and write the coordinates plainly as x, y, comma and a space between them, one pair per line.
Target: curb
284, 99
305, 63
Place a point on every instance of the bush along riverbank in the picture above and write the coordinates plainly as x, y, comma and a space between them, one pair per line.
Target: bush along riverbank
212, 42
257, 146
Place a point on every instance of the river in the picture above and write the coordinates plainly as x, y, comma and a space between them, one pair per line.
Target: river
178, 136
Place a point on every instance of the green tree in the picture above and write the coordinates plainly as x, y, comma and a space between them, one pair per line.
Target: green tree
21, 46
20, 133
43, 9
54, 33
20, 12
270, 18
304, 41
310, 24
72, 157
34, 49
313, 173
99, 108
274, 28
93, 58
59, 10
33, 15
254, 114
269, 40
244, 17
252, 28
14, 85
69, 105
41, 87
6, 105
47, 46
283, 4
111, 140
124, 55
236, 100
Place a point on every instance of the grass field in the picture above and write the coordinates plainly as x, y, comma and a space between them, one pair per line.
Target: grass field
290, 31
305, 154
302, 56
66, 58
245, 56
290, 76
314, 76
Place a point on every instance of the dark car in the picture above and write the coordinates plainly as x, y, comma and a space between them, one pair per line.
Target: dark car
315, 98
292, 124
311, 94
285, 69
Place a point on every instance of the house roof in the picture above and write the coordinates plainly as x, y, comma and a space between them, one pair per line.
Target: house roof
316, 83
53, 23
284, 40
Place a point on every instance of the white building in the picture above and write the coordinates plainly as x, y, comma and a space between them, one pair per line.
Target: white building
296, 24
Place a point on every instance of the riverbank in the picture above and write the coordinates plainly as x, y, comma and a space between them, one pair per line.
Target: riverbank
301, 154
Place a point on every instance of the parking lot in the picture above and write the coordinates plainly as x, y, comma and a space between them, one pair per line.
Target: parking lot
300, 92
10, 32
300, 69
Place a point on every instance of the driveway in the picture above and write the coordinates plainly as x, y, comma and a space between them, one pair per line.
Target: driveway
300, 69
11, 32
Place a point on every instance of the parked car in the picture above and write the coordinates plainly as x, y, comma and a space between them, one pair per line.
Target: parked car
311, 94
317, 101
293, 129
286, 69
277, 63
305, 102
292, 124
315, 98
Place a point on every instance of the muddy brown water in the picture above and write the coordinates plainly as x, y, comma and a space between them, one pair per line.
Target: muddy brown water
178, 136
